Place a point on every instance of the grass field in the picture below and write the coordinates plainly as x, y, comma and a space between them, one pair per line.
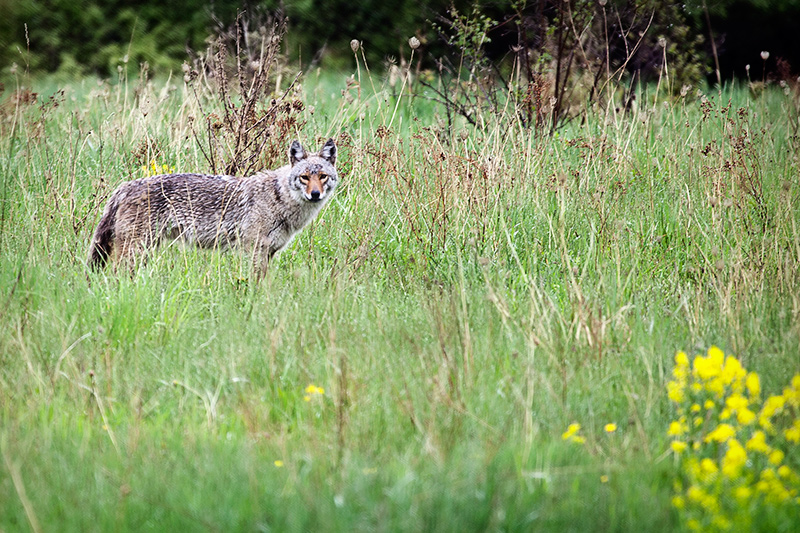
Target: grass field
412, 360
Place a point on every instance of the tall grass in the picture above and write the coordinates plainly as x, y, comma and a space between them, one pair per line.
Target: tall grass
465, 296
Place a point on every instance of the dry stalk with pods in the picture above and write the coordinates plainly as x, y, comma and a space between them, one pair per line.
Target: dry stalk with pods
550, 63
248, 119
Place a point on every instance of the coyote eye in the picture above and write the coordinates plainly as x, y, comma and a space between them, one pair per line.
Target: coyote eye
323, 178
304, 179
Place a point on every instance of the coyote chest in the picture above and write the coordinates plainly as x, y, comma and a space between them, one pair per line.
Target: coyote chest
262, 212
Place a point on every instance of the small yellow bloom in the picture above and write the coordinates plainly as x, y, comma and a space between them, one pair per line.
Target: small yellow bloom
709, 404
278, 463
681, 359
746, 417
734, 460
578, 439
758, 443
571, 430
678, 502
736, 402
313, 389
603, 479
610, 428
695, 494
753, 384
676, 429
793, 433
721, 433
695, 408
773, 405
678, 446
742, 493
675, 392
708, 467
776, 457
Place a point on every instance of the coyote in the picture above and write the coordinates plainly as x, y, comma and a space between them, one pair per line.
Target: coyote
261, 213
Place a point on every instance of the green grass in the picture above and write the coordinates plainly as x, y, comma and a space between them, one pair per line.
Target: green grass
460, 302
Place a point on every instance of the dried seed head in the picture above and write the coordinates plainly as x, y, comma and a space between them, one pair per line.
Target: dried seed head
413, 43
662, 42
764, 55
354, 45
602, 3
747, 67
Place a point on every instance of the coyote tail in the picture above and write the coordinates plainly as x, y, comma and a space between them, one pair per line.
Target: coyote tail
103, 240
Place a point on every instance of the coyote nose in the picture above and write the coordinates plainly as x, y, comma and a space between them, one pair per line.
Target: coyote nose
314, 196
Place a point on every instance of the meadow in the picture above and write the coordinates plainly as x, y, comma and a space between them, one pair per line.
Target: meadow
415, 359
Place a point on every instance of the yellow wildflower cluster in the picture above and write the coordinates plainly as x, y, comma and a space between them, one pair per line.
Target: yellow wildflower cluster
154, 169
571, 434
736, 452
313, 390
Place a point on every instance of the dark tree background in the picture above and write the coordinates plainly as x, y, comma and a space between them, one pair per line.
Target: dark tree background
98, 36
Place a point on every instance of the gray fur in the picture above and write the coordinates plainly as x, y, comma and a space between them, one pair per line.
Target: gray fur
261, 213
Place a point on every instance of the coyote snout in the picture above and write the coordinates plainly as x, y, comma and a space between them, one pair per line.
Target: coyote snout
262, 212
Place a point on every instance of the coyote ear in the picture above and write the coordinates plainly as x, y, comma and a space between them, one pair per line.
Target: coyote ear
328, 152
296, 152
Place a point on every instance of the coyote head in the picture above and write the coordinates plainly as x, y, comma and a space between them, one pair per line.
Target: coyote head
313, 176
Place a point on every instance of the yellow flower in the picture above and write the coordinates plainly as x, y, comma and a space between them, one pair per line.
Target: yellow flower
721, 433
695, 494
792, 393
313, 389
603, 479
758, 443
772, 406
736, 402
695, 408
571, 430
776, 457
732, 372
709, 404
716, 386
742, 493
746, 417
675, 391
734, 460
784, 471
278, 463
676, 429
716, 356
578, 439
707, 466
678, 502
705, 368
753, 384
678, 446
610, 428
681, 360
793, 433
